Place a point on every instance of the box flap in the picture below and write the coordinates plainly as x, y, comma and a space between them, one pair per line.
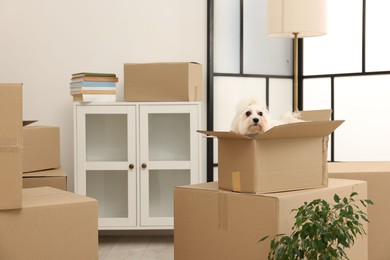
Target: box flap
59, 172
294, 130
316, 115
301, 130
212, 186
225, 135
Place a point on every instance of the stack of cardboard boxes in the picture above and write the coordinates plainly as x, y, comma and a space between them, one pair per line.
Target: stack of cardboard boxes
44, 222
260, 181
41, 157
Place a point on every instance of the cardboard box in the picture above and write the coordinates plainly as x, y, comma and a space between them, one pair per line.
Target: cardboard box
169, 81
212, 224
286, 157
377, 176
52, 224
55, 178
11, 142
41, 148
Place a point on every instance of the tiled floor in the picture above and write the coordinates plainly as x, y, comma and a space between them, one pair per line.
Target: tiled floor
135, 247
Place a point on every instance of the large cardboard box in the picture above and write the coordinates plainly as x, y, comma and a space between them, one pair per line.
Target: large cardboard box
41, 148
377, 176
212, 224
286, 157
165, 81
52, 224
55, 178
11, 141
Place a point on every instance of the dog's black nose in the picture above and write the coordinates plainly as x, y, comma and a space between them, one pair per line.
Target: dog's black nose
255, 120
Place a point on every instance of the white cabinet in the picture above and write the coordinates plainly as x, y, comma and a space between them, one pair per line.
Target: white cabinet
129, 156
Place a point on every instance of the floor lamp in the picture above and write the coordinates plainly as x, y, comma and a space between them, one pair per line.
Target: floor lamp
296, 19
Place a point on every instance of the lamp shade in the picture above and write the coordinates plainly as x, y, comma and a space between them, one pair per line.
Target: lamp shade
305, 17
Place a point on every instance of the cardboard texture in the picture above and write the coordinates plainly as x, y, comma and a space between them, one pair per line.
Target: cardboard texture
11, 142
55, 178
170, 81
286, 157
213, 224
377, 176
41, 148
52, 224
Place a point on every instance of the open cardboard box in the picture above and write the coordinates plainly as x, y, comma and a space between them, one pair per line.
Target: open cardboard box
214, 224
286, 157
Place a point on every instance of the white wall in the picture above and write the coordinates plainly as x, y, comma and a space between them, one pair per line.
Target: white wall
43, 42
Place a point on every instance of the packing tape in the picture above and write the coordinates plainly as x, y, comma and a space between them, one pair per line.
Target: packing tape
10, 149
325, 141
10, 142
223, 211
236, 181
196, 93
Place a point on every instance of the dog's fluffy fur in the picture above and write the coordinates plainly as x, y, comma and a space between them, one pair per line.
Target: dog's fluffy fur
252, 118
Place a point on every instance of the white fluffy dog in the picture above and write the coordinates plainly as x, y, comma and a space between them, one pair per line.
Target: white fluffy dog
252, 118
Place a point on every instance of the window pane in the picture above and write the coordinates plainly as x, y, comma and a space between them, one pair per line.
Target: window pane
317, 94
377, 38
340, 51
110, 189
364, 103
228, 91
161, 184
280, 97
169, 137
227, 36
262, 54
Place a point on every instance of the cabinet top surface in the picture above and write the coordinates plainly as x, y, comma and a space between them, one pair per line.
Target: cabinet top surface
134, 103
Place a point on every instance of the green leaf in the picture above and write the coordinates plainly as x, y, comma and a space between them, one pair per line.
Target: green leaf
365, 218
336, 198
262, 239
353, 194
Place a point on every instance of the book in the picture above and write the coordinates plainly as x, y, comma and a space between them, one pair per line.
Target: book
92, 74
92, 88
76, 92
94, 98
105, 79
92, 84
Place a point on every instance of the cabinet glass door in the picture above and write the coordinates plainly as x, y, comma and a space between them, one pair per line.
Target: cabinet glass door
108, 146
167, 158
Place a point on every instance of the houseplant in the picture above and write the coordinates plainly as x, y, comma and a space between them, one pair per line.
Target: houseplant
322, 230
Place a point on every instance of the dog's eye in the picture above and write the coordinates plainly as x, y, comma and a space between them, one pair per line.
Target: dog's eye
248, 113
260, 113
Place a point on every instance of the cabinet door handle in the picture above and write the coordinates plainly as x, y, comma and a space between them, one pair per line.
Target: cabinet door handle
143, 165
131, 166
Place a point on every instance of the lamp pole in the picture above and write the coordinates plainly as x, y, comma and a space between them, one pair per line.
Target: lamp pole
295, 86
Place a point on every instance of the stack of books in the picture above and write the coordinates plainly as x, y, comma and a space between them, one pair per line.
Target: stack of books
91, 87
